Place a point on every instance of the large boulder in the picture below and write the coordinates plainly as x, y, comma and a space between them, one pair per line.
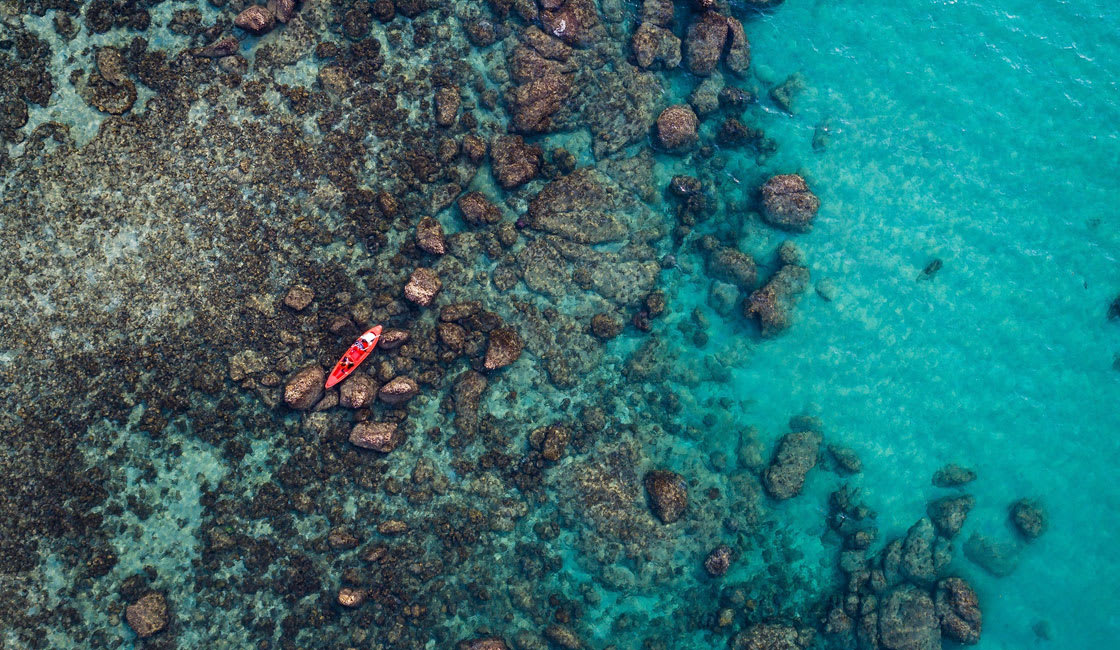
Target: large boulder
773, 304
398, 391
255, 19
1029, 518
795, 456
357, 392
576, 22
534, 103
676, 128
477, 210
582, 207
923, 554
718, 561
447, 103
513, 162
948, 513
732, 266
654, 46
505, 347
771, 636
429, 236
787, 203
422, 287
305, 388
958, 609
668, 497
148, 615
908, 621
704, 43
378, 436
624, 282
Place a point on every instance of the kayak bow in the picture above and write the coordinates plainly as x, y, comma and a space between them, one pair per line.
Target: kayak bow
354, 356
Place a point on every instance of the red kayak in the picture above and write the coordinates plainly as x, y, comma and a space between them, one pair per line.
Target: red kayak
354, 356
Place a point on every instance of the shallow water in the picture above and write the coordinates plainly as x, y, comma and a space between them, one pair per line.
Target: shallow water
981, 135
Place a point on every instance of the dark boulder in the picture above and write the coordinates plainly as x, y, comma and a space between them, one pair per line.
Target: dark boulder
576, 22
605, 326
581, 207
422, 287
299, 296
773, 304
718, 561
398, 391
953, 475
958, 609
513, 162
907, 620
655, 47
255, 19
477, 210
1028, 517
705, 42
357, 391
788, 204
447, 103
668, 496
378, 436
505, 347
676, 128
429, 236
732, 266
304, 388
795, 456
284, 10
923, 555
998, 558
948, 513
148, 616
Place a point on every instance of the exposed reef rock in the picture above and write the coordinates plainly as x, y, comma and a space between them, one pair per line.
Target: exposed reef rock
305, 388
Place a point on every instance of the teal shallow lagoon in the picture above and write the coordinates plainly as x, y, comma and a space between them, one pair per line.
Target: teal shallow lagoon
983, 134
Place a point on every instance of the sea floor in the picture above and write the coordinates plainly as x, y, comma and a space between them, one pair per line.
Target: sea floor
646, 404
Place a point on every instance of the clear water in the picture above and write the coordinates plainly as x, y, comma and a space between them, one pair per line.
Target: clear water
984, 134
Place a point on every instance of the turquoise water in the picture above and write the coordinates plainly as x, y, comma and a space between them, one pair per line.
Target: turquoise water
984, 134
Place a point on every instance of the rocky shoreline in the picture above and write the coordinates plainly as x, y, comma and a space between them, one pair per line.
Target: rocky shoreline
517, 192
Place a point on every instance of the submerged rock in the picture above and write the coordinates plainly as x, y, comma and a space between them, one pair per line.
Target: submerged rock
256, 20
483, 643
562, 637
732, 266
447, 103
305, 388
704, 43
770, 636
513, 162
676, 128
923, 555
398, 391
1028, 518
795, 456
351, 597
953, 475
576, 22
551, 441
477, 210
299, 296
773, 304
422, 287
429, 236
718, 561
284, 10
393, 338
581, 207
996, 557
654, 46
378, 436
605, 326
505, 347
846, 460
949, 513
148, 615
958, 609
357, 391
787, 203
784, 93
908, 621
668, 497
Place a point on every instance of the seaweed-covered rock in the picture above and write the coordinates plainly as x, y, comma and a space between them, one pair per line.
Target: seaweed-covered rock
732, 266
576, 22
784, 93
795, 456
429, 236
466, 397
773, 304
605, 326
949, 513
668, 497
284, 10
923, 556
551, 441
357, 391
846, 460
787, 203
299, 296
422, 287
958, 609
581, 207
998, 558
704, 43
953, 475
393, 338
513, 162
738, 55
676, 127
477, 210
378, 436
398, 390
907, 620
482, 643
447, 103
771, 636
1028, 518
654, 46
562, 637
534, 103
148, 615
505, 347
624, 282
305, 388
255, 19
718, 561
